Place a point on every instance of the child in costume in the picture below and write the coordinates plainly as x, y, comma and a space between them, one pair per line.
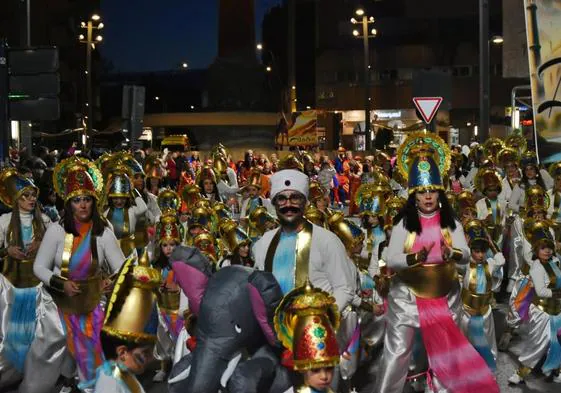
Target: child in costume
123, 205
545, 310
480, 278
127, 337
490, 208
305, 323
362, 324
171, 301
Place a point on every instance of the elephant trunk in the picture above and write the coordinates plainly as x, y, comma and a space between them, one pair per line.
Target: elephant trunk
207, 368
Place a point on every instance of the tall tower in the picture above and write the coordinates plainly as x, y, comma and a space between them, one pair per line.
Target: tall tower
236, 79
236, 24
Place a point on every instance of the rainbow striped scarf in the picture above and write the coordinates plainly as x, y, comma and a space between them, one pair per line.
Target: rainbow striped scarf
523, 299
81, 259
82, 331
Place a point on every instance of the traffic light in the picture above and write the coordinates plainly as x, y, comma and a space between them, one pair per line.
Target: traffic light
34, 84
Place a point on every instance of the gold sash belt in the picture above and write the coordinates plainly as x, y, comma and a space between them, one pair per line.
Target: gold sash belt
430, 281
168, 300
85, 301
549, 305
20, 273
476, 304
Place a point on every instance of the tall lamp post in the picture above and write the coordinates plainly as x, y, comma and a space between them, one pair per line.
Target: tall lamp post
364, 20
94, 23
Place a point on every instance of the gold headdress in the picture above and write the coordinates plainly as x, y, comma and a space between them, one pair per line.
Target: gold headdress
486, 178
350, 234
131, 303
315, 216
76, 176
517, 142
422, 159
305, 322
232, 235
169, 201
13, 185
492, 147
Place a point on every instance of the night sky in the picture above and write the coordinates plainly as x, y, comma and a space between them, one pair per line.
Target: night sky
152, 35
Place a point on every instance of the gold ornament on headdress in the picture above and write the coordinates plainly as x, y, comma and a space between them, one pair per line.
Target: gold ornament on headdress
421, 143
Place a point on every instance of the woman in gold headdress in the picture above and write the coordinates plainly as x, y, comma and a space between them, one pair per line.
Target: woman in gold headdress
70, 259
21, 295
238, 245
425, 245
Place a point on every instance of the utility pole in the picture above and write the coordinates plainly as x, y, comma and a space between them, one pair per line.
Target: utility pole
484, 101
4, 119
365, 36
292, 53
89, 103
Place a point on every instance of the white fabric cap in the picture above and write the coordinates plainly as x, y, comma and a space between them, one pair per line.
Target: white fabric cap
289, 179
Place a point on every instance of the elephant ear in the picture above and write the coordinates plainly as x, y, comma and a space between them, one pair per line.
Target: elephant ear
265, 295
192, 272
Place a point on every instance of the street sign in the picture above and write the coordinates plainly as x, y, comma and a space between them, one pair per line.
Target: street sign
34, 83
427, 107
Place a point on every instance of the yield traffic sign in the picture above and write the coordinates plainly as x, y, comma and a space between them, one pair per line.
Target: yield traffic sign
427, 106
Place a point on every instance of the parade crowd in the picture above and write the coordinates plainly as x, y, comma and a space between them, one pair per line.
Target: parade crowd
300, 273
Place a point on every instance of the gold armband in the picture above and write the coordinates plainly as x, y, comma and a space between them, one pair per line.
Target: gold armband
57, 283
456, 255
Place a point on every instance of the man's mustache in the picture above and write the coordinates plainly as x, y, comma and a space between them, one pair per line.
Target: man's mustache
290, 209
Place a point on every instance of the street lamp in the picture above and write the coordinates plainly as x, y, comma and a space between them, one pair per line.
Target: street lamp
497, 39
259, 46
93, 23
269, 69
364, 20
184, 65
